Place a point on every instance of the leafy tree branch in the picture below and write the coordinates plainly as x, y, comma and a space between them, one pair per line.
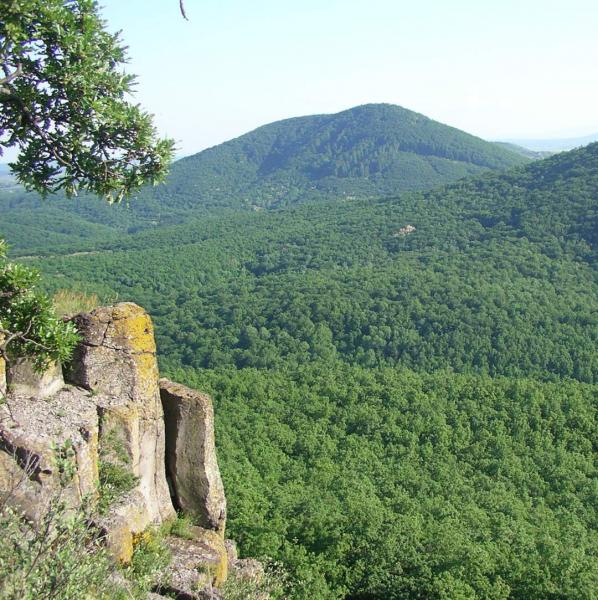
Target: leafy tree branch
63, 103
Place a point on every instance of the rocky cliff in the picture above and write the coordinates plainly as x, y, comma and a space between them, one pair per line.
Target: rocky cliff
110, 410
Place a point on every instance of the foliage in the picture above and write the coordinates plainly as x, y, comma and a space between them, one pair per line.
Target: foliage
63, 559
63, 556
28, 324
148, 566
62, 103
498, 277
383, 483
273, 584
59, 557
115, 481
179, 527
371, 150
401, 413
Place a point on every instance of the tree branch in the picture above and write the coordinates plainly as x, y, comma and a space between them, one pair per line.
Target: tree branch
10, 76
182, 7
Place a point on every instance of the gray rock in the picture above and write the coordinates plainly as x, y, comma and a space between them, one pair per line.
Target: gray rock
248, 569
127, 517
116, 360
198, 566
191, 454
23, 380
33, 434
231, 552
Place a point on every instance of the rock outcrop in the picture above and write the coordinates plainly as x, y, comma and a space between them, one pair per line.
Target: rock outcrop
198, 564
191, 462
116, 361
109, 411
22, 379
34, 436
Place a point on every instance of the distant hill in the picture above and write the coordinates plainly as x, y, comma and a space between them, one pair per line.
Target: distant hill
533, 154
554, 145
7, 181
370, 150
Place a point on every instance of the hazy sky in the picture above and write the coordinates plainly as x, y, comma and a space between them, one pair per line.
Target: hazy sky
495, 68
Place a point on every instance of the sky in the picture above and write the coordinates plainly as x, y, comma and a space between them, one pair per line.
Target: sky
496, 68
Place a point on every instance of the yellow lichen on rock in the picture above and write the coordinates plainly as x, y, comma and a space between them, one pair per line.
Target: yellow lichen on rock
146, 372
132, 327
216, 542
126, 522
200, 563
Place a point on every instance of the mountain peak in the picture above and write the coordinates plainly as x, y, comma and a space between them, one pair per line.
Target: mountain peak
367, 150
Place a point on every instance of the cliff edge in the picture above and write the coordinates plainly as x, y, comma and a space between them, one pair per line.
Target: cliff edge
108, 411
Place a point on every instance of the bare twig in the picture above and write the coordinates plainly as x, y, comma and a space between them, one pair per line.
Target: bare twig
182, 7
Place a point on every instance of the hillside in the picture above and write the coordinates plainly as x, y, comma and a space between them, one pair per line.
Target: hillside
370, 150
405, 388
498, 276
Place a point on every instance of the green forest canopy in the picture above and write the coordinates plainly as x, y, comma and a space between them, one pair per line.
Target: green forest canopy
401, 413
498, 277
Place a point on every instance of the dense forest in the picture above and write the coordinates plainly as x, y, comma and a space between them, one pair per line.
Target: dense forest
387, 484
405, 385
497, 277
368, 151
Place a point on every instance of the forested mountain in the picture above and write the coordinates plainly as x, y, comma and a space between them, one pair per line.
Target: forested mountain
405, 387
372, 150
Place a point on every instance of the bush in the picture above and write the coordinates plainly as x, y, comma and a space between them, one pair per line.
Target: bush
28, 324
60, 557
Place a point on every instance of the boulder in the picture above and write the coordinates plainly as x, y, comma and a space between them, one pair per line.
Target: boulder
34, 436
198, 565
116, 361
24, 380
191, 461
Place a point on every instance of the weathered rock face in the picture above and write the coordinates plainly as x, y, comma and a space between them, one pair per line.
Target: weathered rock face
34, 434
127, 518
110, 413
191, 461
198, 565
117, 361
22, 379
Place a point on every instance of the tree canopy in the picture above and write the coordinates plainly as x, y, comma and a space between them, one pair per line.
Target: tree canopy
64, 106
63, 103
